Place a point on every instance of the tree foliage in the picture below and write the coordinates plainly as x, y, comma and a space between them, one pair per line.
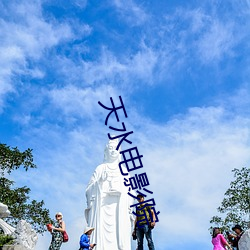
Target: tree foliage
17, 199
6, 240
13, 158
235, 207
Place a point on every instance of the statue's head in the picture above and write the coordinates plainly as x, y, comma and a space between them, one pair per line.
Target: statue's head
110, 152
4, 211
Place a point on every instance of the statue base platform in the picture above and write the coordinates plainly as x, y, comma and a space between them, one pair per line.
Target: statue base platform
12, 247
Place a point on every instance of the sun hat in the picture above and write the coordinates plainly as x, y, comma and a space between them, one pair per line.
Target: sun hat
59, 213
88, 229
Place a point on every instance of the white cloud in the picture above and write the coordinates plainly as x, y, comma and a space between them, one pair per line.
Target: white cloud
80, 102
217, 42
198, 19
143, 63
198, 33
240, 101
131, 12
25, 35
105, 69
31, 33
80, 3
10, 57
123, 70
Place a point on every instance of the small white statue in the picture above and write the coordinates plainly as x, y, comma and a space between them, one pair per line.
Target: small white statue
244, 242
25, 235
108, 204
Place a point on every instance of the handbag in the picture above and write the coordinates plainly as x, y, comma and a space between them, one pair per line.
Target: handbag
65, 236
49, 227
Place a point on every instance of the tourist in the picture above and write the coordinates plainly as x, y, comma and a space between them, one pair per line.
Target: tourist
85, 239
238, 230
231, 240
145, 226
218, 240
56, 231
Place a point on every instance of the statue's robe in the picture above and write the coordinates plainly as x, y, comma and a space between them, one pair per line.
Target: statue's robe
108, 209
244, 242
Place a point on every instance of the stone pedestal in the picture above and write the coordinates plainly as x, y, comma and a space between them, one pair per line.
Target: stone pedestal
13, 247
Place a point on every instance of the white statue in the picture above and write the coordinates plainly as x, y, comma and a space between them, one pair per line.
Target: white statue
108, 204
4, 212
244, 242
25, 235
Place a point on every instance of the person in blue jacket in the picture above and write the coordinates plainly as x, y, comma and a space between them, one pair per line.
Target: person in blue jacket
84, 240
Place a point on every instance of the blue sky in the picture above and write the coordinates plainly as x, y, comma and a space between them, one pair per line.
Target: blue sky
182, 69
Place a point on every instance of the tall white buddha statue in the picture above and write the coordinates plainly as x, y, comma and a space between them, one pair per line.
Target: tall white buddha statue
108, 204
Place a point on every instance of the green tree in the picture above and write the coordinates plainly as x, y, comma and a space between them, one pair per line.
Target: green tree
17, 199
235, 207
6, 239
